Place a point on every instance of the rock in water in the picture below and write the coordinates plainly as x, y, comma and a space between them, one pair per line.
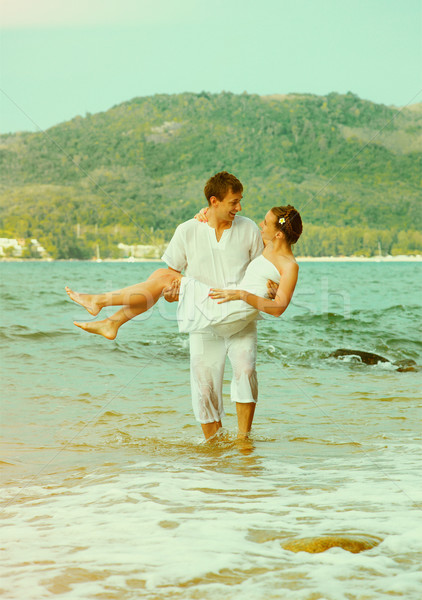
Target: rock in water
369, 358
314, 545
407, 365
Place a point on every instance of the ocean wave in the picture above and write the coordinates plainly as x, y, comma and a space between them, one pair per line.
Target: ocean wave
22, 331
324, 318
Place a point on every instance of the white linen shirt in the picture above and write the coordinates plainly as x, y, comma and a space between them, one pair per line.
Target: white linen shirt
194, 249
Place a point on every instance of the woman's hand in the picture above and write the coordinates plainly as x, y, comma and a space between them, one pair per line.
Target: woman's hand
202, 215
225, 295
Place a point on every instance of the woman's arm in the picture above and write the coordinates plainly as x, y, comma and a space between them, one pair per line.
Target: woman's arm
274, 307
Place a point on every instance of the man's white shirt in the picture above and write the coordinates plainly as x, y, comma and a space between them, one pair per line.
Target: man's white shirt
194, 249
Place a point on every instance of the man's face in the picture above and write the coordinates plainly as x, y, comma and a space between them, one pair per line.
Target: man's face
227, 208
268, 227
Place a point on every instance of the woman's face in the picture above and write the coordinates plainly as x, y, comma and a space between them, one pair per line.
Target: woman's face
268, 227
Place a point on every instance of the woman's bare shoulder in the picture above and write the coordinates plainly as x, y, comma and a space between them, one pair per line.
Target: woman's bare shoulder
286, 263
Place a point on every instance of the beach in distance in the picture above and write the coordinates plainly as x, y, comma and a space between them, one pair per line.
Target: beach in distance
110, 492
398, 258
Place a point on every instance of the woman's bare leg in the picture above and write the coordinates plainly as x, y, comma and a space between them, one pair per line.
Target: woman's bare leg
110, 326
146, 296
129, 296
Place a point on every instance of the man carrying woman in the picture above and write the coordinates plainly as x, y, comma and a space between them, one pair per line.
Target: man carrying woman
215, 256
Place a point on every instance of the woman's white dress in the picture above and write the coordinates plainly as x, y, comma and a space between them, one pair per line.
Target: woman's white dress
198, 312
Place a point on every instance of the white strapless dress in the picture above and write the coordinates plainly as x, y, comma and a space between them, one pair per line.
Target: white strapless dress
198, 312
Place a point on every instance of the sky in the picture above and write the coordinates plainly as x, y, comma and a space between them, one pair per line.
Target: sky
62, 58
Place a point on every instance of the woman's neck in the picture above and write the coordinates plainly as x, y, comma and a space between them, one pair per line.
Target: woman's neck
280, 247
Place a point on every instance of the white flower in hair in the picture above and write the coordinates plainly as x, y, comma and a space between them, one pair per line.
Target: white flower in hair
282, 220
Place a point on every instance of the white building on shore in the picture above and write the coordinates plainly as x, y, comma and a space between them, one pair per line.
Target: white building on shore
141, 251
11, 247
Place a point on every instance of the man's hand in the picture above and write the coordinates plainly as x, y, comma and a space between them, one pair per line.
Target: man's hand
272, 288
171, 293
202, 215
225, 295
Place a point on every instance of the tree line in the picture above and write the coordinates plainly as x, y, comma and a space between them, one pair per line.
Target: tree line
141, 167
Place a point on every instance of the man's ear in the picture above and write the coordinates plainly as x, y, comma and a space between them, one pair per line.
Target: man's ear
214, 201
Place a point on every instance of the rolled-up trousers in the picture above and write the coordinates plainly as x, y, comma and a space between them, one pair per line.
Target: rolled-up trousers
208, 353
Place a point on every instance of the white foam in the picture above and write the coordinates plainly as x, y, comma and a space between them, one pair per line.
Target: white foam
170, 524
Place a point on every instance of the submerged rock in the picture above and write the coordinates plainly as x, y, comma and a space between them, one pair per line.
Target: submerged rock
407, 365
314, 545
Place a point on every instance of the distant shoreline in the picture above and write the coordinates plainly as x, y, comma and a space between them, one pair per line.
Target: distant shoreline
398, 258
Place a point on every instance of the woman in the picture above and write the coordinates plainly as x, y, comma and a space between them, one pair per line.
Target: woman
197, 309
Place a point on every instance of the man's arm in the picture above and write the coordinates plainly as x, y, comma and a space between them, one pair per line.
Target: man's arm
175, 253
176, 259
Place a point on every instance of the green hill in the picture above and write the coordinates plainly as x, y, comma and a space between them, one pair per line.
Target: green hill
132, 173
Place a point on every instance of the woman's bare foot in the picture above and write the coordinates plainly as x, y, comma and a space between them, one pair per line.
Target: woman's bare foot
85, 300
107, 328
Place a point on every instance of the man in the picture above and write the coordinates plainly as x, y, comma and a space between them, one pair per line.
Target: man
217, 253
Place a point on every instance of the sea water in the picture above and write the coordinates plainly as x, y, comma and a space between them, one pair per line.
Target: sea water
110, 493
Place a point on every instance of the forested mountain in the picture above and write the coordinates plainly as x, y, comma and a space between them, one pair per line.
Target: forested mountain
132, 173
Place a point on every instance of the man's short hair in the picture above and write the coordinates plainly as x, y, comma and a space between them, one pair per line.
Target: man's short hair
220, 184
